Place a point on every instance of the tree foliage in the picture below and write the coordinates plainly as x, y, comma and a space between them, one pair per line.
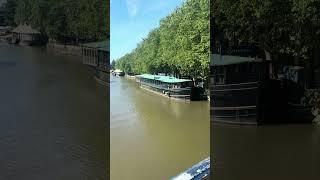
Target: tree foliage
60, 19
289, 27
113, 64
179, 46
10, 7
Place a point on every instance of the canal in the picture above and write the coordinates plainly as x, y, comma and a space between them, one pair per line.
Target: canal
53, 117
265, 152
153, 137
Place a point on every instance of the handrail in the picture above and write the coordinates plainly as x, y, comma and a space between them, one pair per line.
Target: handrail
234, 84
200, 171
233, 108
237, 89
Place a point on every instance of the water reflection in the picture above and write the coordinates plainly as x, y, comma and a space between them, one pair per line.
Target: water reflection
53, 117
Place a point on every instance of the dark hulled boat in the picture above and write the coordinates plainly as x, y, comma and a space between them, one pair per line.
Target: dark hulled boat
171, 87
236, 83
244, 90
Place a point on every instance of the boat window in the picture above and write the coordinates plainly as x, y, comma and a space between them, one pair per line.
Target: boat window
243, 67
253, 68
219, 75
236, 68
220, 80
212, 80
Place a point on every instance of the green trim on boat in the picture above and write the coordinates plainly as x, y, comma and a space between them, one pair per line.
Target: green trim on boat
165, 79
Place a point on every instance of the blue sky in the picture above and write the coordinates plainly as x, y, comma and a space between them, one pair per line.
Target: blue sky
131, 20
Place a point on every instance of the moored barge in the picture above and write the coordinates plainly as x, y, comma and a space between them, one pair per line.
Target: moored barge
236, 83
118, 72
171, 87
245, 88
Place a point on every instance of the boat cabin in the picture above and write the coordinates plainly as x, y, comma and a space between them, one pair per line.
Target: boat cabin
245, 90
235, 69
167, 82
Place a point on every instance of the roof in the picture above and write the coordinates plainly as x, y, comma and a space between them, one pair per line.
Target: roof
25, 29
165, 79
5, 27
117, 71
217, 60
102, 45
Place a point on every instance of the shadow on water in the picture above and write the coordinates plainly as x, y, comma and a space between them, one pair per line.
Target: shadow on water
283, 151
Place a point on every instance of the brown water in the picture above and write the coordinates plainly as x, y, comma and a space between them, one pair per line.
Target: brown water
153, 137
53, 117
265, 152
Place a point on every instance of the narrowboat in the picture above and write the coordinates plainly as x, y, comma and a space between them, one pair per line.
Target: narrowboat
171, 87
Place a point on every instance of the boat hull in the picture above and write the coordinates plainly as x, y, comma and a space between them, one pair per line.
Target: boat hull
255, 103
180, 94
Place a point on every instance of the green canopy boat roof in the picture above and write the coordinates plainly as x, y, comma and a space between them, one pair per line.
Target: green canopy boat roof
165, 79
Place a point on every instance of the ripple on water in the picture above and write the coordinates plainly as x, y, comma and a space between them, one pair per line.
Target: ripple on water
7, 64
46, 132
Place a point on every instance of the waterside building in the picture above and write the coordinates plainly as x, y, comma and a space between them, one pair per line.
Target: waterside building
97, 55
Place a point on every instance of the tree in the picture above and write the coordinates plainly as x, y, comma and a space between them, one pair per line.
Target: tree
282, 27
10, 7
79, 20
113, 64
179, 46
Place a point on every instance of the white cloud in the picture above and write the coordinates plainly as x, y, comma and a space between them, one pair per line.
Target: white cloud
133, 7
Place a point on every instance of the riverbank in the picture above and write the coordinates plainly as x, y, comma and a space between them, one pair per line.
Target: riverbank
312, 98
130, 77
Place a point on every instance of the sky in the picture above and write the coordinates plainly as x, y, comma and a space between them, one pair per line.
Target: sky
132, 20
